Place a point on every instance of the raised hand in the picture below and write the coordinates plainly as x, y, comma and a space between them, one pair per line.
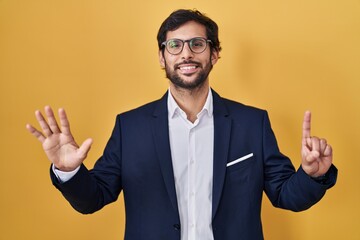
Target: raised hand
316, 153
58, 143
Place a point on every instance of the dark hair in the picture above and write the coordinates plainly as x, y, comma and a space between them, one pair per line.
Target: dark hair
182, 16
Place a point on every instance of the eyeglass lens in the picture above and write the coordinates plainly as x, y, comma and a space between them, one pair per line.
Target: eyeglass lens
197, 45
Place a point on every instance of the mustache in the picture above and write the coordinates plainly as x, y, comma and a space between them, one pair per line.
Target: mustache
186, 62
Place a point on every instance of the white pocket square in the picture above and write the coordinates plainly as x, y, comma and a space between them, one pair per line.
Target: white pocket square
239, 159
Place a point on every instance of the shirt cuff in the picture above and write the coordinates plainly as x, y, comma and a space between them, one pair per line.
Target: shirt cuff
64, 176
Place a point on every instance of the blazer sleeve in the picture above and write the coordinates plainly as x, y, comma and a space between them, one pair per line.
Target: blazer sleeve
90, 190
285, 187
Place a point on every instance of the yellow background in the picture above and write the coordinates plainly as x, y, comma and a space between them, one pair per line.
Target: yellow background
98, 58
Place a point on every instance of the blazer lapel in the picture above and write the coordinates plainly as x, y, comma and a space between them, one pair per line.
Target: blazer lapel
222, 130
160, 128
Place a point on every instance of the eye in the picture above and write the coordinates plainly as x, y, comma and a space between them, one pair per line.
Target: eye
197, 43
174, 44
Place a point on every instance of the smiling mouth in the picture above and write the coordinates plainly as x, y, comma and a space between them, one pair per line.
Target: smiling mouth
188, 68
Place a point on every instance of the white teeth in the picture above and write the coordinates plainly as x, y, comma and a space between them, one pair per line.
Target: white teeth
188, 67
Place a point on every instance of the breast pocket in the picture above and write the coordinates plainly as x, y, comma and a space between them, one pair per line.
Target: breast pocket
243, 180
240, 169
240, 161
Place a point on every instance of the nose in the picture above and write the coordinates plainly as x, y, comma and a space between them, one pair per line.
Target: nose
186, 52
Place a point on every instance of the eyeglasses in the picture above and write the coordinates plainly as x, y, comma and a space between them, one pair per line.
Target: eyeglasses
175, 46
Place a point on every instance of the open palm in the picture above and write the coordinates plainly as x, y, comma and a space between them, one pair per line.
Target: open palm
58, 143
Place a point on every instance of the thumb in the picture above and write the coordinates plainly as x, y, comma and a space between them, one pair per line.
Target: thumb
85, 148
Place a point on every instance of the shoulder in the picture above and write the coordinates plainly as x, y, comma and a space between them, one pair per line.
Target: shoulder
235, 106
240, 112
236, 109
147, 110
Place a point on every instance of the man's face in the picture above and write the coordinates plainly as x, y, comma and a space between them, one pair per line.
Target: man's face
188, 70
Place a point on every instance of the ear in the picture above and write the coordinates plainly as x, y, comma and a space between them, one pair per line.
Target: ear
214, 57
161, 59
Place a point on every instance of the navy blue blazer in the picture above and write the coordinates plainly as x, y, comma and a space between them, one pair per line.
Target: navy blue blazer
137, 160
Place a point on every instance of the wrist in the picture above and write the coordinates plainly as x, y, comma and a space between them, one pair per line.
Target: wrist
321, 179
64, 176
63, 168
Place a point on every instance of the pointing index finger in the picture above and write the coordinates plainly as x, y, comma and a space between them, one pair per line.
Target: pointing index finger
306, 127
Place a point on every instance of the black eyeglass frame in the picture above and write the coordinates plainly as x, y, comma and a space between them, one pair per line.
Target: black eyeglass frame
164, 44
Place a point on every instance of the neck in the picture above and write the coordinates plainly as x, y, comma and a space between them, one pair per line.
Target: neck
191, 101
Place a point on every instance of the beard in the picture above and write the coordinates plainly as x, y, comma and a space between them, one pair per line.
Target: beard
179, 82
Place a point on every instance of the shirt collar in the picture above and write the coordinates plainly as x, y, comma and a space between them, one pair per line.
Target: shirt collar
174, 108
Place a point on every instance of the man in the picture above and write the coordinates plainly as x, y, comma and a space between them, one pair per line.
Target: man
191, 165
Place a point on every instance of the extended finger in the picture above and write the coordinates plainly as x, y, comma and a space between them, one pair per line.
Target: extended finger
306, 128
35, 133
43, 124
51, 120
64, 122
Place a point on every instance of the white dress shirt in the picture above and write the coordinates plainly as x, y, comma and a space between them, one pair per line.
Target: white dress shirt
192, 146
